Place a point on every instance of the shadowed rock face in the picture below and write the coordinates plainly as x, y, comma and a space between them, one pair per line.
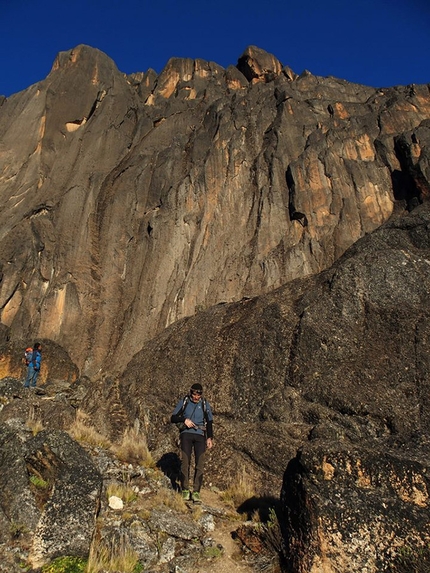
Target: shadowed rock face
131, 202
334, 367
341, 355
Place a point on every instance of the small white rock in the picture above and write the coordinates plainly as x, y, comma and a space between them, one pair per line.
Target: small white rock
115, 502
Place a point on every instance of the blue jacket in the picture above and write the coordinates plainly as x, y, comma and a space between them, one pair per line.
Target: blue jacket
36, 360
195, 412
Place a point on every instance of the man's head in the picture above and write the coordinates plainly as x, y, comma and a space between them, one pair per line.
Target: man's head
196, 392
37, 346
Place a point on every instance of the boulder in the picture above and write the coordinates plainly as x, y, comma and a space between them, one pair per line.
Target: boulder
354, 509
51, 489
258, 65
339, 355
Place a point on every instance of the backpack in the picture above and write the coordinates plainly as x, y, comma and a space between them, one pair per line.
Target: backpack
28, 355
180, 425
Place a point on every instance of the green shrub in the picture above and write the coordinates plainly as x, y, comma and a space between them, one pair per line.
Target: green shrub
411, 560
66, 565
38, 482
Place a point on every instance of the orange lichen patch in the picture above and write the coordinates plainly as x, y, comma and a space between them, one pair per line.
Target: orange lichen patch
53, 317
200, 70
42, 126
192, 94
235, 85
11, 308
74, 54
363, 478
170, 85
376, 207
340, 111
365, 148
412, 491
9, 367
95, 78
327, 469
349, 150
74, 125
415, 150
41, 133
56, 64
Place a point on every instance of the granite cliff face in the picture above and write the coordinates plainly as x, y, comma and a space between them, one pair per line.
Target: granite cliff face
129, 202
262, 232
328, 377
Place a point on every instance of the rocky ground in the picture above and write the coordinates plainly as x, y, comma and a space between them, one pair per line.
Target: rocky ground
100, 501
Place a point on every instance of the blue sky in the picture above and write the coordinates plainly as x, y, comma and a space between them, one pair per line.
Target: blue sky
379, 43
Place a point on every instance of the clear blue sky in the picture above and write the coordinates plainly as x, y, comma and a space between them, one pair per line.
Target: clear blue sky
379, 43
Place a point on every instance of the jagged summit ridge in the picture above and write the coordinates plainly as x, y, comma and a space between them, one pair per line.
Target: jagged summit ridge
129, 203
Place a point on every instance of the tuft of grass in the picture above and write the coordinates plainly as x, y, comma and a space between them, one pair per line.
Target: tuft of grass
123, 491
40, 488
17, 529
65, 565
39, 482
271, 533
34, 424
171, 499
144, 514
133, 449
411, 559
214, 552
113, 556
240, 490
82, 431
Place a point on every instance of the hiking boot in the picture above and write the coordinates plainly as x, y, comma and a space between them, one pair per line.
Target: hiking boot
196, 497
186, 494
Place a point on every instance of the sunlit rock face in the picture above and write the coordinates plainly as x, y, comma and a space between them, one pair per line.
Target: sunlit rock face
129, 202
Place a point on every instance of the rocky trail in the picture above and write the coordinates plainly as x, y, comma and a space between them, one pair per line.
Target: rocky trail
80, 495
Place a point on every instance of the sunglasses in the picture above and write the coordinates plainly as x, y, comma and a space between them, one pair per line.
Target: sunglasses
197, 392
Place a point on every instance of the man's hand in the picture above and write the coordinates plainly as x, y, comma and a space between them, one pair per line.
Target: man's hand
189, 423
209, 443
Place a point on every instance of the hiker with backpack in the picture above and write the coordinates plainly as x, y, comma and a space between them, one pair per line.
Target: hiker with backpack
193, 416
33, 359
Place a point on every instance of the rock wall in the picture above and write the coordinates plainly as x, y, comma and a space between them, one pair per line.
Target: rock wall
327, 376
130, 202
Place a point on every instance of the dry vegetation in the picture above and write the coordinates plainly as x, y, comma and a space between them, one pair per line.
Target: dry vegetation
33, 423
82, 431
133, 449
123, 491
241, 490
170, 499
115, 555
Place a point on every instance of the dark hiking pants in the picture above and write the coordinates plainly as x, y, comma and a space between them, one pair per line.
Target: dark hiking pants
190, 442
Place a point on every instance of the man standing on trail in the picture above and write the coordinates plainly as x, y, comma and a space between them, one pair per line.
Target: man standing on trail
193, 415
33, 367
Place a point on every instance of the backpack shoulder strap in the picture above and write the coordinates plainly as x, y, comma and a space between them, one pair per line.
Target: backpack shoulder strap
184, 405
205, 409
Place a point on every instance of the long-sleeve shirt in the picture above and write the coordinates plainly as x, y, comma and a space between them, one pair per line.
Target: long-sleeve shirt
194, 411
36, 359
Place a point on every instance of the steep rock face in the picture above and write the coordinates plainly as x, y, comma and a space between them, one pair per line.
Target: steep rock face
334, 366
341, 355
131, 202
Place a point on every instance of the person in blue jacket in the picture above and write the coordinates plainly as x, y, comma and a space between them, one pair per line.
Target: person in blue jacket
194, 417
33, 367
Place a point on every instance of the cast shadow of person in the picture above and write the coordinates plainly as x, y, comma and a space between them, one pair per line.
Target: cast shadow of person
170, 465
